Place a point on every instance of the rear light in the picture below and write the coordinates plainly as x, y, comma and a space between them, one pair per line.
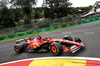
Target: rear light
17, 42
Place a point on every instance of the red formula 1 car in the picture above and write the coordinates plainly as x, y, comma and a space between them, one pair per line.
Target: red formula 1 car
56, 46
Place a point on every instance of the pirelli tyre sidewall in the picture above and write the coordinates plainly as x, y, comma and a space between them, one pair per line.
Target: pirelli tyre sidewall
56, 48
18, 48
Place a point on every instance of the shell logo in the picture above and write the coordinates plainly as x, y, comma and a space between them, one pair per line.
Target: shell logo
34, 46
49, 41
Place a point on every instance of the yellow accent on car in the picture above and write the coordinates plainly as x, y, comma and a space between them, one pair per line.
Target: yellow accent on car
38, 45
49, 41
34, 46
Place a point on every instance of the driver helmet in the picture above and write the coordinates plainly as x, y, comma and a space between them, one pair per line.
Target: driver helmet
39, 37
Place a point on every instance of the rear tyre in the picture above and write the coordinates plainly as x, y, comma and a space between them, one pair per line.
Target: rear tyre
18, 48
56, 48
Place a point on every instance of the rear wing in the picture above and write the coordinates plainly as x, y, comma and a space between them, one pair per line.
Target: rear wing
23, 39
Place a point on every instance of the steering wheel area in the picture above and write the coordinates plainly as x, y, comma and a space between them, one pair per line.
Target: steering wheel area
47, 39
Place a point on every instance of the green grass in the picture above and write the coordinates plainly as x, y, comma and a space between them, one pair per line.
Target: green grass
9, 39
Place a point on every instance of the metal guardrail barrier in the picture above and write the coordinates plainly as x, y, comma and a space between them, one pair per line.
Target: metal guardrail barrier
39, 26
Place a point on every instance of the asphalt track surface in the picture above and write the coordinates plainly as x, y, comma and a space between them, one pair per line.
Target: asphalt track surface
89, 33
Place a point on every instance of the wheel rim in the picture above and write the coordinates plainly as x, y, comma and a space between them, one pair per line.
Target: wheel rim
53, 49
16, 49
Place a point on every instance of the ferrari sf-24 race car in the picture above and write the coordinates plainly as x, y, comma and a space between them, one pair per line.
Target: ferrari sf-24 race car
56, 46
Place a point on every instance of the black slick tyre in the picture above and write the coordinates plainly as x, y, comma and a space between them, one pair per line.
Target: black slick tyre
18, 48
56, 48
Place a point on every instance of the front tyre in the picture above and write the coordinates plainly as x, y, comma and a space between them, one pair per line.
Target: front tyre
56, 48
18, 48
